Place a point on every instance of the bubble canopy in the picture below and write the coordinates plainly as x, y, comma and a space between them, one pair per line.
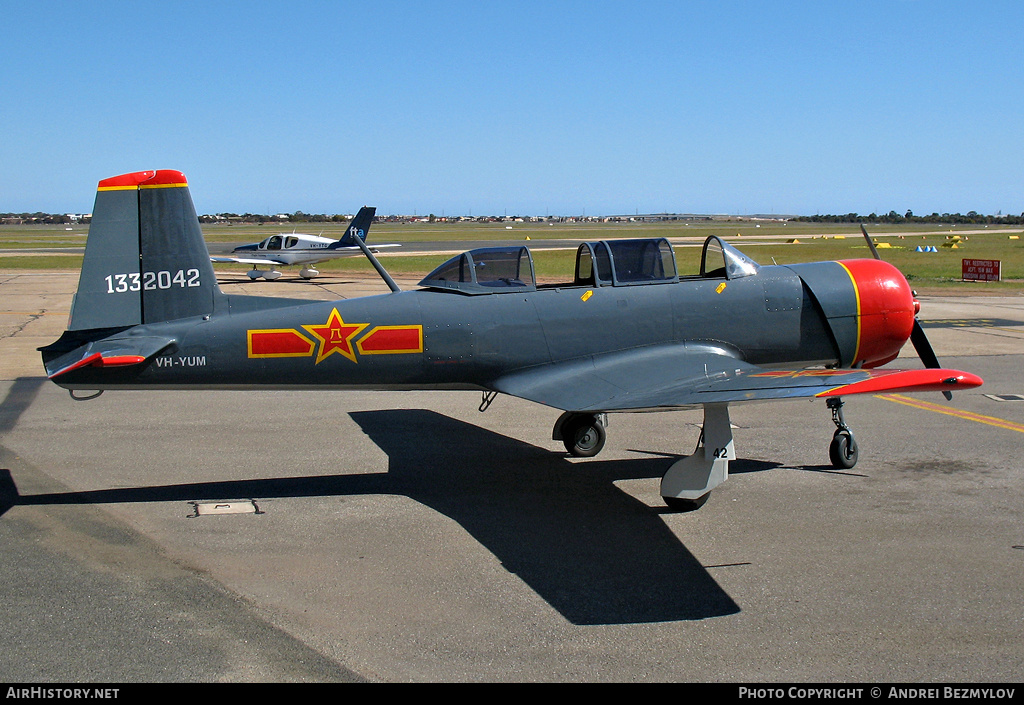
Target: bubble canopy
637, 261
485, 271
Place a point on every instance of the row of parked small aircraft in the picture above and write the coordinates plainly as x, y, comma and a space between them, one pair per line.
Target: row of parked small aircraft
624, 332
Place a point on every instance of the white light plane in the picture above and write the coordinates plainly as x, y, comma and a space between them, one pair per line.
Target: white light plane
301, 249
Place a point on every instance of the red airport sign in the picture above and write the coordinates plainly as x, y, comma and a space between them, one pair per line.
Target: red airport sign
981, 270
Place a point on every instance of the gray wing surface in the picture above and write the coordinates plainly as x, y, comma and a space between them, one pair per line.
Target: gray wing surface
689, 375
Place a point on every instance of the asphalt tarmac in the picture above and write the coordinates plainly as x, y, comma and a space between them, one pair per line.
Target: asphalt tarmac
349, 536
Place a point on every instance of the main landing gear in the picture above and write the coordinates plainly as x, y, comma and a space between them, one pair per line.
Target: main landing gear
583, 435
689, 481
842, 451
269, 275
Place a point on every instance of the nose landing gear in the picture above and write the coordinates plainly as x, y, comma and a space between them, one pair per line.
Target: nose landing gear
842, 451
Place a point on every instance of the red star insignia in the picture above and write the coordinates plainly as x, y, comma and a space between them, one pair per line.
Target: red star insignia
336, 336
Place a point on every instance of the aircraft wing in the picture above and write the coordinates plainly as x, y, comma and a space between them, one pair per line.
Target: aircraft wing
689, 375
245, 260
307, 257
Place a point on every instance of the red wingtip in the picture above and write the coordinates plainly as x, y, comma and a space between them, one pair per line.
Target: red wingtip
926, 380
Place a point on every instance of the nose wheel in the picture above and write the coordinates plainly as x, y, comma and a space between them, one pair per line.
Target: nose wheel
842, 451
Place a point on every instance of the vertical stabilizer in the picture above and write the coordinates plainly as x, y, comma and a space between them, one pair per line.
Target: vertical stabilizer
145, 257
358, 228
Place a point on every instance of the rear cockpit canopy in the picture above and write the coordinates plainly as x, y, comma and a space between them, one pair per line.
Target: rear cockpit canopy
486, 270
625, 262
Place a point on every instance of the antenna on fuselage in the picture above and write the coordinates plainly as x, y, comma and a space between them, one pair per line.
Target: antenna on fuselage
377, 265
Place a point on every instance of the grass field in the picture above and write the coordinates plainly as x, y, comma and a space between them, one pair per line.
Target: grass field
53, 247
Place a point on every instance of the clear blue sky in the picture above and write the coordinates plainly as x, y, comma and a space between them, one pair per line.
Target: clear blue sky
519, 107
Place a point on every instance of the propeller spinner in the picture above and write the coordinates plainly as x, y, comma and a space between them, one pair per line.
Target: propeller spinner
917, 335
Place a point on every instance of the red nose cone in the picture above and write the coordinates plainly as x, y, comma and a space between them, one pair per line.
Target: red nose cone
885, 310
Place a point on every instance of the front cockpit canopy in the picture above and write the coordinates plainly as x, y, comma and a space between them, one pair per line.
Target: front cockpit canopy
278, 242
721, 260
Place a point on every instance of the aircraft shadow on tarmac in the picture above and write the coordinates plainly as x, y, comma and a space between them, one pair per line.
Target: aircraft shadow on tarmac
593, 552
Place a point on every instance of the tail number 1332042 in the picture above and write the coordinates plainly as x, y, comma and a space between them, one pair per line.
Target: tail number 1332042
151, 281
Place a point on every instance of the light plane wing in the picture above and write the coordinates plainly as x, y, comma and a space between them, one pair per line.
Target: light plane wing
691, 375
306, 256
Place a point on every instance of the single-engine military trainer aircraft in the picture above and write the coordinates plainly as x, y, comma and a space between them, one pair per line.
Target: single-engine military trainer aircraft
301, 249
626, 332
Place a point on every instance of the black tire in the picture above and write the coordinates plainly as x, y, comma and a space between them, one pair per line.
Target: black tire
583, 436
679, 504
842, 451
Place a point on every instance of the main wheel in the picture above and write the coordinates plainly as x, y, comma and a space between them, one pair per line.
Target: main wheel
842, 451
583, 436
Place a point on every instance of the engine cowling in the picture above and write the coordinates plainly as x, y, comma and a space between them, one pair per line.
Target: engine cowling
885, 310
868, 305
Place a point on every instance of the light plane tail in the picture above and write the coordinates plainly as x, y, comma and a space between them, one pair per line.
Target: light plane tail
145, 263
358, 228
145, 257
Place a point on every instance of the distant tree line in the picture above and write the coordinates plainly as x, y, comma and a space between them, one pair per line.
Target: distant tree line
296, 217
44, 218
894, 218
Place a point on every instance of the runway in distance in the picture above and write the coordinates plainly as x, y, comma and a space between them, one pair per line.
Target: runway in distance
286, 249
624, 332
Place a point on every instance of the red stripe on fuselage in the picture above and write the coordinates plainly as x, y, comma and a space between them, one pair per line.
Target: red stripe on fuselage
392, 339
283, 342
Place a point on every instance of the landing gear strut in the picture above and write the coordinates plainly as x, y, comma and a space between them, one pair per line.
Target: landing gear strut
689, 481
842, 451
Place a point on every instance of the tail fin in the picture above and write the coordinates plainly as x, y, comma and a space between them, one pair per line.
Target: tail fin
145, 257
359, 227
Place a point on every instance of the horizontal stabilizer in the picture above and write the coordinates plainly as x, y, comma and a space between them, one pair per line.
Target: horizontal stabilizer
108, 352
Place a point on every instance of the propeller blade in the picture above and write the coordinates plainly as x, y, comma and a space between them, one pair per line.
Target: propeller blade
924, 350
923, 347
871, 244
917, 335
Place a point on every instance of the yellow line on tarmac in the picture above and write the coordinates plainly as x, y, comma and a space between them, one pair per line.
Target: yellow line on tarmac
938, 408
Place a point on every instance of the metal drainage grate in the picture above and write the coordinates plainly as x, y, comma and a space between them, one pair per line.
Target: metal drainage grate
214, 508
